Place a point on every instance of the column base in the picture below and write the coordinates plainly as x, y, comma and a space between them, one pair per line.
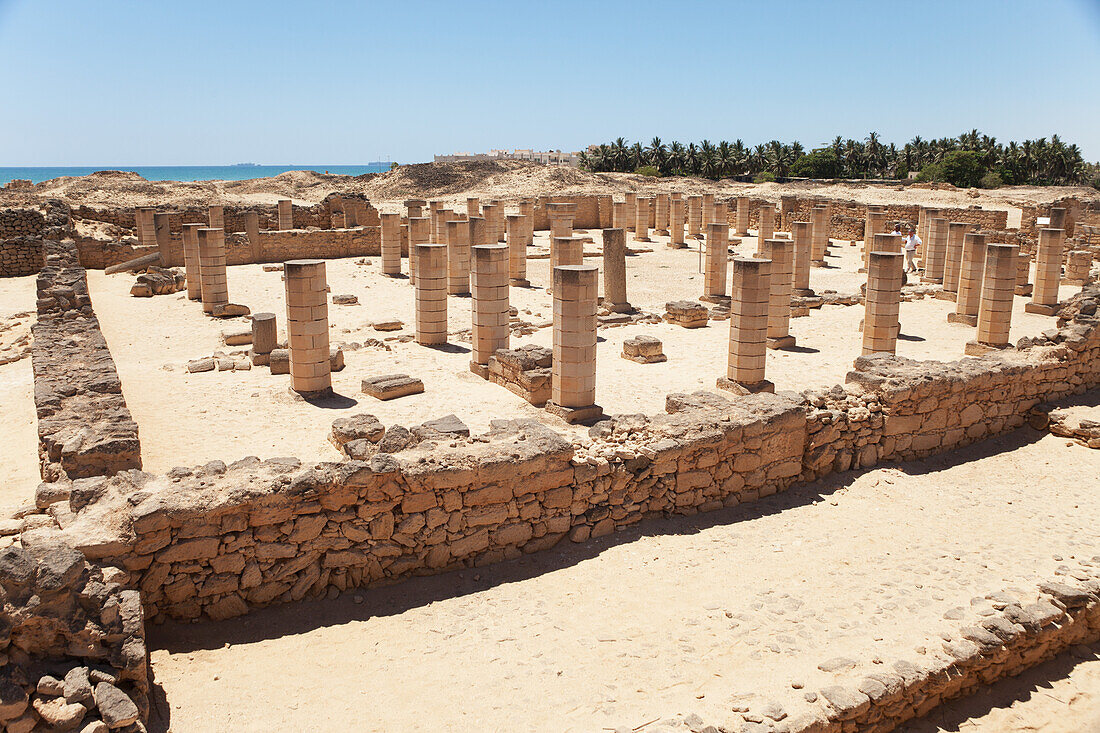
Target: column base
642, 239
962, 318
743, 388
573, 415
1042, 310
1024, 289
319, 394
946, 295
677, 245
661, 232
818, 263
780, 342
519, 282
717, 299
619, 307
977, 348
482, 370
695, 236
803, 292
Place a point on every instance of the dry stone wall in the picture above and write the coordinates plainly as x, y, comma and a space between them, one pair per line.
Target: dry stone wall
21, 256
84, 426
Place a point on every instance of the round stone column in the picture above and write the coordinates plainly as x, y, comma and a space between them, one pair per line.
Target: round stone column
882, 302
715, 264
419, 233
641, 220
573, 391
781, 254
265, 337
458, 255
307, 327
215, 291
743, 216
995, 304
1048, 272
802, 236
431, 294
749, 305
286, 214
970, 281
191, 266
935, 251
391, 244
765, 228
614, 271
489, 305
517, 249
676, 224
695, 217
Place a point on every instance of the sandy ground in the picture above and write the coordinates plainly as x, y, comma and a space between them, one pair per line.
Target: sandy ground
676, 616
187, 419
19, 428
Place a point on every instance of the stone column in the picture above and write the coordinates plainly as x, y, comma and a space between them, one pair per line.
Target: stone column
1078, 267
749, 305
573, 391
527, 208
614, 271
743, 216
802, 236
708, 210
391, 244
765, 228
871, 227
435, 213
517, 249
641, 220
970, 281
473, 207
265, 337
935, 251
147, 228
458, 255
604, 207
714, 270
952, 262
1023, 274
498, 223
216, 217
307, 327
419, 233
631, 206
1048, 272
489, 211
995, 304
676, 224
489, 305
139, 225
561, 220
566, 251
720, 215
695, 217
1058, 218
215, 291
252, 229
819, 240
882, 302
191, 260
618, 215
781, 254
662, 202
888, 242
286, 214
431, 294
415, 206
162, 232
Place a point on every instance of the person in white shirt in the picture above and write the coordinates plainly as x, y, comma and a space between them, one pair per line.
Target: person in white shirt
912, 241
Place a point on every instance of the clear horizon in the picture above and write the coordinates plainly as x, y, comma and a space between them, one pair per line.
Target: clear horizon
160, 83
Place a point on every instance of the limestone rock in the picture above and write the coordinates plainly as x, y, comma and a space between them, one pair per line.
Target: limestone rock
391, 386
115, 706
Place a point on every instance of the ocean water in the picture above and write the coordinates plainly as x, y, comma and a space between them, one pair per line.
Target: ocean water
187, 172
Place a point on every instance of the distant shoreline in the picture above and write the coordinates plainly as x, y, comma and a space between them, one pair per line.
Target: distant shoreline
186, 173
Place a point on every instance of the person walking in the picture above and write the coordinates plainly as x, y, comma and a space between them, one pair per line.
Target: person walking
912, 241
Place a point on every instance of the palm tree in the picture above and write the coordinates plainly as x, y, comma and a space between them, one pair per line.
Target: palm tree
676, 157
740, 156
725, 158
657, 154
691, 159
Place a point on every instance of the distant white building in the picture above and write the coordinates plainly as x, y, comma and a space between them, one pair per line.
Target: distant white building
548, 157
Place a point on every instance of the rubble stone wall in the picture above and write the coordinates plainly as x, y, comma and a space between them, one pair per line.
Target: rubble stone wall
21, 223
84, 426
23, 255
587, 216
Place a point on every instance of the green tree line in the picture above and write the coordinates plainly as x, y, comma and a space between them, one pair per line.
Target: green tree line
971, 159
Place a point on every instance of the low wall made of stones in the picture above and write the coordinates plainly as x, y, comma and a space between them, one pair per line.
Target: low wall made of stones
84, 426
21, 223
23, 255
587, 216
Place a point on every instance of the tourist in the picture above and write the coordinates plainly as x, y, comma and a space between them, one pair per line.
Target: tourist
912, 241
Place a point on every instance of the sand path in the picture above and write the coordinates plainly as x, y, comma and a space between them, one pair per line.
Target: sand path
19, 428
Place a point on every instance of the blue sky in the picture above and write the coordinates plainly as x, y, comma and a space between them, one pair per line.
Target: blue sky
198, 82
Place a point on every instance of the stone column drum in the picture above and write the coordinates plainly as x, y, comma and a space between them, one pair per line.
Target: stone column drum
215, 291
458, 255
1048, 272
631, 207
419, 233
566, 251
1023, 274
695, 216
516, 225
819, 241
286, 214
473, 207
431, 294
871, 227
781, 254
765, 228
527, 208
147, 228
614, 271
489, 305
802, 236
489, 213
265, 338
715, 264
995, 303
561, 220
162, 231
391, 244
307, 327
749, 305
952, 259
191, 260
661, 202
415, 206
215, 215
720, 215
708, 210
641, 220
618, 215
970, 281
935, 251
882, 302
676, 224
573, 391
742, 216
252, 230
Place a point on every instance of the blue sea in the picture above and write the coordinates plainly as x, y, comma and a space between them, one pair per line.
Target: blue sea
187, 172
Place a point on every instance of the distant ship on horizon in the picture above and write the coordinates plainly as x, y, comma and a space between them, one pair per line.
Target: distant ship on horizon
246, 165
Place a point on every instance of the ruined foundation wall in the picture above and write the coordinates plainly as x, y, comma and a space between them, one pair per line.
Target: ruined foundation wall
21, 256
84, 426
587, 216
